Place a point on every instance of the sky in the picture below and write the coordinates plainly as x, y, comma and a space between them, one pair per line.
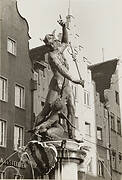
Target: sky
98, 22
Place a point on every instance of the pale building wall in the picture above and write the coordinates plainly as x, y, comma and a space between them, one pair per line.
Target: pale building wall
120, 87
102, 121
84, 113
42, 89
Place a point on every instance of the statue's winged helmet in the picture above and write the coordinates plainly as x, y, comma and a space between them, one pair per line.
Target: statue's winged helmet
50, 38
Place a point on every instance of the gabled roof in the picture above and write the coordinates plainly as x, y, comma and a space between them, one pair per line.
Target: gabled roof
23, 18
104, 64
38, 53
37, 56
101, 74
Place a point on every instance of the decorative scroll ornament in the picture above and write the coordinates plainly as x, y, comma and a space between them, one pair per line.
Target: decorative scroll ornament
40, 156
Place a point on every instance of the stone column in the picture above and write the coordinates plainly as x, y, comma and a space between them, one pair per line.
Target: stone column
69, 157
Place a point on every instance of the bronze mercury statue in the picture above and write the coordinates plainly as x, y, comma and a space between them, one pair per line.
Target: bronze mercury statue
59, 102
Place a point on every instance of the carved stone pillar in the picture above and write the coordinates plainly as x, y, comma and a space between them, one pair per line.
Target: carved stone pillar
70, 155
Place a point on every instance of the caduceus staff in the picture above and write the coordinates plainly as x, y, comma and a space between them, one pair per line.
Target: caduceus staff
73, 52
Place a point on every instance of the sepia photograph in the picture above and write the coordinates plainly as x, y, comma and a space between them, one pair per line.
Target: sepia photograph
61, 89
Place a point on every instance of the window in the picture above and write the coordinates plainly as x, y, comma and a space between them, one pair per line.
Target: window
117, 97
87, 128
113, 159
46, 57
89, 166
11, 46
112, 116
105, 113
99, 133
118, 126
3, 89
86, 98
75, 92
101, 168
43, 73
19, 96
120, 157
2, 133
18, 137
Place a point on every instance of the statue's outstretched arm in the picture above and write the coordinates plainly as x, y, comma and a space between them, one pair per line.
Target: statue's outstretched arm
64, 34
64, 40
64, 31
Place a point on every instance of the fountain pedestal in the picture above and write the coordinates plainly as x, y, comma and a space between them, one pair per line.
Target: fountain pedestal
69, 157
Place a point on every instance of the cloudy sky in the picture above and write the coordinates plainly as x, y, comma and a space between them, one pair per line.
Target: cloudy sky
99, 23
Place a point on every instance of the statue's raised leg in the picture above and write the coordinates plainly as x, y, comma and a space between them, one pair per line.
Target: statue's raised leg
51, 97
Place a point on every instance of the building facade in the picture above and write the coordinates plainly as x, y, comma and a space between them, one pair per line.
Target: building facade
85, 116
42, 76
108, 119
15, 88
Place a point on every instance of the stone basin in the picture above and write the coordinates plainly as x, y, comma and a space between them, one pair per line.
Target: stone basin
70, 144
69, 149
